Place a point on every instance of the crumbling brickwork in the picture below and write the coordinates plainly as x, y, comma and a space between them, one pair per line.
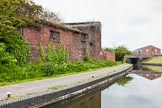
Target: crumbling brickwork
81, 39
75, 42
93, 30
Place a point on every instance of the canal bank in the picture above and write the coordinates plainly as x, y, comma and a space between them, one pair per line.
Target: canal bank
92, 80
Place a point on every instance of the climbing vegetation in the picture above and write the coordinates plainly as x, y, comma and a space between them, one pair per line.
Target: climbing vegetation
120, 52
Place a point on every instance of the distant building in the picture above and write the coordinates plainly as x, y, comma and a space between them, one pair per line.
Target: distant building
148, 50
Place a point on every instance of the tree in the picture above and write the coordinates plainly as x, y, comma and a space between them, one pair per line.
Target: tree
109, 49
5, 57
13, 15
20, 11
50, 17
120, 52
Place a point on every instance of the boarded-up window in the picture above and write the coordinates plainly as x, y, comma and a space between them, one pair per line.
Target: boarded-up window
54, 36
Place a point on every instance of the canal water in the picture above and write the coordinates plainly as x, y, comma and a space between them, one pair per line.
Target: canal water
140, 89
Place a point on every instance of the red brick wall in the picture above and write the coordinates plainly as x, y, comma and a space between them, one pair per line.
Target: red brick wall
107, 55
94, 32
111, 56
151, 50
67, 39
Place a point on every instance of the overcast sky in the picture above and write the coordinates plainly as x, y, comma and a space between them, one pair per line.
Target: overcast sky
133, 23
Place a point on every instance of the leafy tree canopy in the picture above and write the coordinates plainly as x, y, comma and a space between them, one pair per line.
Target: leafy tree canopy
50, 17
109, 49
13, 15
120, 52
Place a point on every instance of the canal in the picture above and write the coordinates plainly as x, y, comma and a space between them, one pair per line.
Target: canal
140, 89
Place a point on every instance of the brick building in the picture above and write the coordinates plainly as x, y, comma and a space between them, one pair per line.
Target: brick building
149, 50
81, 39
74, 40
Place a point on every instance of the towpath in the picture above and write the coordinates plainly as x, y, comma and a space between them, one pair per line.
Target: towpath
25, 88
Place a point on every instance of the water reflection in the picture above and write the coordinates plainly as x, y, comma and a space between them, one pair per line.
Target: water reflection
140, 89
147, 74
125, 81
144, 91
92, 100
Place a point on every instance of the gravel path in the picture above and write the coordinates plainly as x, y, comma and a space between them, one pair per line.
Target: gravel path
21, 89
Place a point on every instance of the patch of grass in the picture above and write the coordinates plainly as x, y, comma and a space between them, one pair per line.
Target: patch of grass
58, 87
157, 59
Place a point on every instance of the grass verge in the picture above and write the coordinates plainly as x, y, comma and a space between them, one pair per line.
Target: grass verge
58, 74
157, 60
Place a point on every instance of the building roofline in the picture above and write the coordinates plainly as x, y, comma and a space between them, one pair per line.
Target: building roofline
83, 23
146, 47
58, 25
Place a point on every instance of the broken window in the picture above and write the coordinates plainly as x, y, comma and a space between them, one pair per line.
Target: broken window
54, 36
83, 38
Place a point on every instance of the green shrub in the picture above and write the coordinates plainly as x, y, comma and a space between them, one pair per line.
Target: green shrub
56, 62
5, 57
42, 54
87, 58
48, 70
19, 48
13, 72
57, 55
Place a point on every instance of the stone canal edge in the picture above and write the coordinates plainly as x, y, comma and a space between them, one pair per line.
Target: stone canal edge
75, 84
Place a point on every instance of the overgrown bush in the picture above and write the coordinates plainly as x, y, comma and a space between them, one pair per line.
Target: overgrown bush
56, 55
54, 63
19, 48
14, 73
5, 57
48, 70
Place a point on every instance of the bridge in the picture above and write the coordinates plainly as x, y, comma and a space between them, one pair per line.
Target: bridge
140, 56
135, 58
